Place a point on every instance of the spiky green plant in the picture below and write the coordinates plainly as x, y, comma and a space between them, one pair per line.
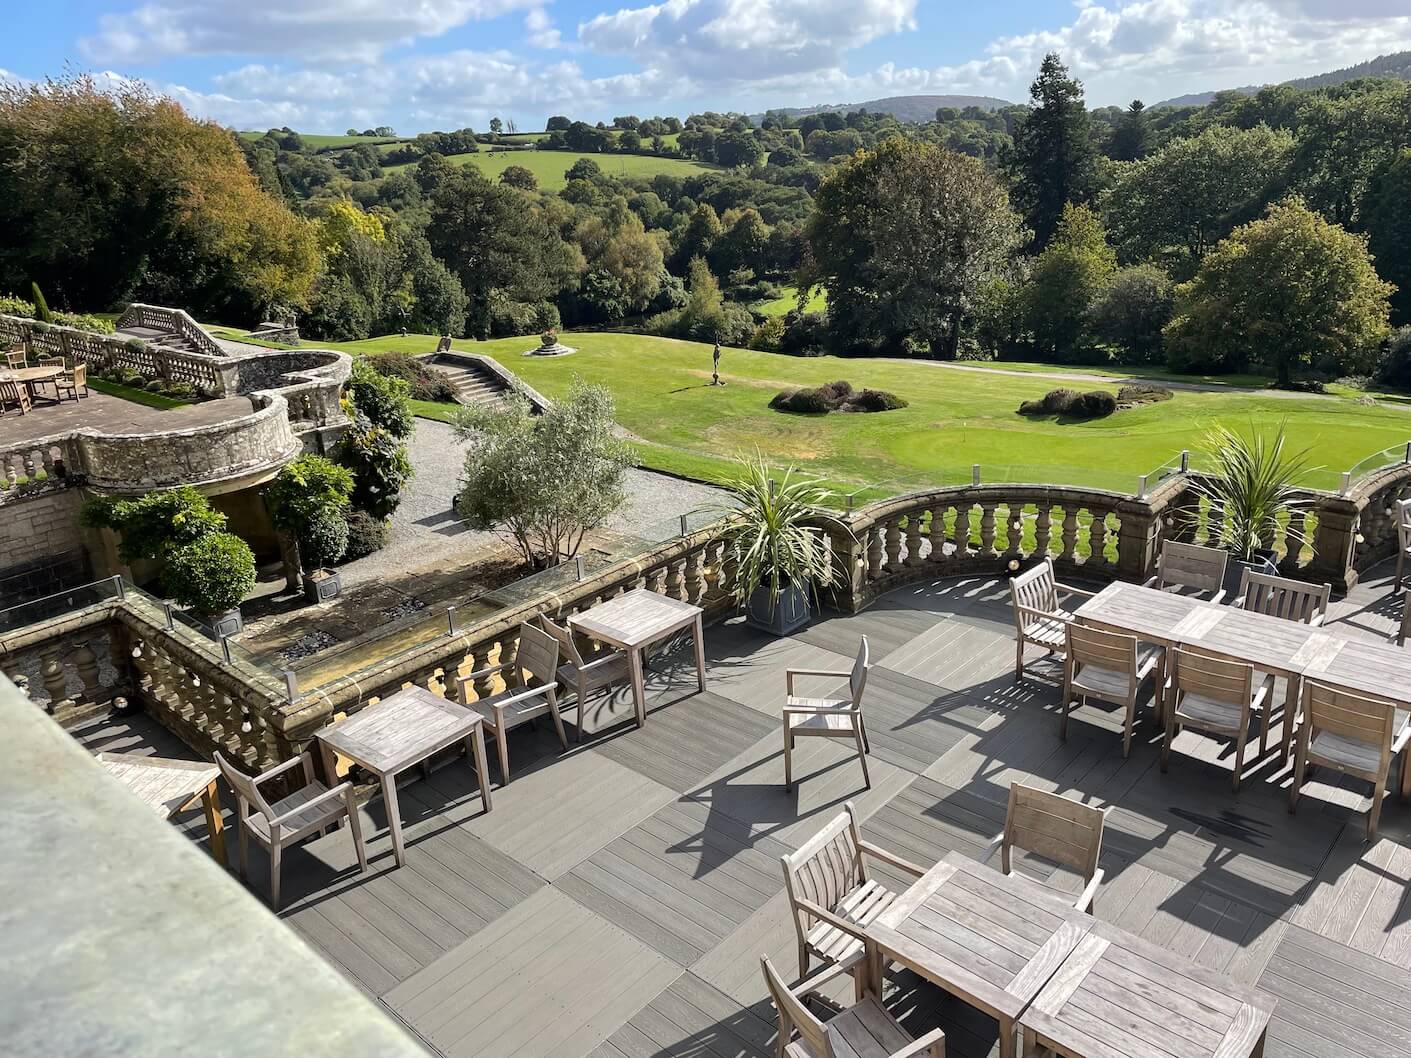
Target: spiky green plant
774, 530
1251, 485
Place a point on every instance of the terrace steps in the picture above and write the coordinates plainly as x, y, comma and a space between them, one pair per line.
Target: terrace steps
473, 383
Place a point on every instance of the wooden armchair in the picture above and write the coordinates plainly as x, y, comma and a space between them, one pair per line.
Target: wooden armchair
311, 809
1217, 697
1403, 540
864, 1030
1355, 735
585, 677
1201, 569
1038, 617
14, 358
72, 382
16, 395
1293, 600
1110, 667
1058, 829
827, 717
833, 897
531, 690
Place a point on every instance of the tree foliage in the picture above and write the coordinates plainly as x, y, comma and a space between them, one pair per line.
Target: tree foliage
1053, 160
212, 574
1131, 311
1067, 278
305, 487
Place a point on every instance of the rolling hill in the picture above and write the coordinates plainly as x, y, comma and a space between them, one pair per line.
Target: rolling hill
1397, 64
548, 167
903, 108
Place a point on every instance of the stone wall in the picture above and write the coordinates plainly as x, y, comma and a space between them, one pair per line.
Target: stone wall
42, 546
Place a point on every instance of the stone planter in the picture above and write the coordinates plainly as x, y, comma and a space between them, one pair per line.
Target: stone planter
225, 624
789, 613
322, 585
1262, 562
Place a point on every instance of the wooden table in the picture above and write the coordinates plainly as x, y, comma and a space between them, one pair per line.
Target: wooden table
634, 621
403, 729
30, 376
1271, 644
989, 939
171, 786
1118, 996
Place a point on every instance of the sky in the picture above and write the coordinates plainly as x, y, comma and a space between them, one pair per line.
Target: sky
418, 65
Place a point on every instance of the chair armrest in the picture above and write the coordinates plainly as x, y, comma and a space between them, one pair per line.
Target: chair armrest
789, 675
933, 1042
488, 671
892, 858
606, 659
519, 696
1237, 603
1068, 589
1057, 615
280, 769
822, 977
1316, 620
852, 929
1145, 670
995, 843
1085, 899
1218, 596
798, 710
328, 795
1150, 582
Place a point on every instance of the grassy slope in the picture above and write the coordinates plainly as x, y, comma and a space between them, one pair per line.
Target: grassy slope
137, 396
955, 418
785, 302
316, 140
549, 166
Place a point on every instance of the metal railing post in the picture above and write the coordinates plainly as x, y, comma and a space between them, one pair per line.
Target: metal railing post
1407, 459
975, 474
1346, 483
685, 530
171, 616
118, 586
1141, 487
291, 685
1186, 460
580, 568
225, 648
451, 620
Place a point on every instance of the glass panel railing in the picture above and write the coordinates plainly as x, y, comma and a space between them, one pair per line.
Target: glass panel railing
60, 603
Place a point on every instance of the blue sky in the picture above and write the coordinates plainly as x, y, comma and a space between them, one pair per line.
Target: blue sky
326, 65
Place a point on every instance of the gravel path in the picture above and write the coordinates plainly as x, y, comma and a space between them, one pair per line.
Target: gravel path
425, 529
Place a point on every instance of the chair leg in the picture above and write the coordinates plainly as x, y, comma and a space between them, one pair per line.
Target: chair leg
244, 847
1019, 658
274, 854
788, 757
803, 960
1300, 765
862, 756
558, 723
1167, 736
1400, 567
502, 747
1064, 707
1127, 729
1239, 760
1375, 815
866, 742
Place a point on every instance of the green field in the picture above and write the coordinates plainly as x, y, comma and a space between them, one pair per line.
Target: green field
785, 302
317, 141
549, 166
956, 418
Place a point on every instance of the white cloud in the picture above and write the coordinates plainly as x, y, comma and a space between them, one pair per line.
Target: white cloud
540, 30
345, 30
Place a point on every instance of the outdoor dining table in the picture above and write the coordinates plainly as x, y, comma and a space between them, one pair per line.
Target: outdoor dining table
989, 939
1118, 996
1275, 645
401, 730
634, 621
30, 377
171, 786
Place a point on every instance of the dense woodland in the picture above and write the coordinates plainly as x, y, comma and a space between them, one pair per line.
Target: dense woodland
1261, 232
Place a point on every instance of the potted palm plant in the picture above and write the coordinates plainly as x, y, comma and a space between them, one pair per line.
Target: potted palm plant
1252, 492
775, 534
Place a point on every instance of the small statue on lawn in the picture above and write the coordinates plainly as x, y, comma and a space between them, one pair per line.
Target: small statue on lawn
715, 366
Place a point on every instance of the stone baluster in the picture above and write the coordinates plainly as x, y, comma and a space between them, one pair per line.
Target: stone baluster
231, 722
696, 576
676, 582
12, 473
31, 471
658, 580
53, 676
962, 531
1043, 529
874, 552
987, 530
213, 720
480, 655
1070, 532
937, 537
1013, 529
86, 664
1097, 537
892, 535
913, 539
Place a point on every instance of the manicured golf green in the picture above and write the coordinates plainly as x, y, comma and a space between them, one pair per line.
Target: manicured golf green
787, 301
548, 167
955, 419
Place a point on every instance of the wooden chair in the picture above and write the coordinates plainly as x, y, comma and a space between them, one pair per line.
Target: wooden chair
1405, 628
311, 809
1110, 667
1355, 735
585, 677
832, 895
15, 394
1403, 539
827, 717
864, 1030
1293, 600
1217, 697
1201, 569
72, 382
1058, 829
14, 358
1038, 617
531, 690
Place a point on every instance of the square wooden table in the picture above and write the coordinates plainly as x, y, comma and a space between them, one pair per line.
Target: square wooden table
989, 939
171, 786
403, 729
634, 621
1118, 996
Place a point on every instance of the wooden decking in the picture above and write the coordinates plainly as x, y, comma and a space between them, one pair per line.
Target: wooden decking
616, 901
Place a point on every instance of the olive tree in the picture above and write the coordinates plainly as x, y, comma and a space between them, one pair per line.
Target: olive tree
544, 480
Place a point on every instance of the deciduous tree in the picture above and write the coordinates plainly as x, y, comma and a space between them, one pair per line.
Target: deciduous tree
1067, 278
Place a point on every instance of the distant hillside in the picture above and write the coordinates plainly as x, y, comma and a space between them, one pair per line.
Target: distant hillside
903, 108
1397, 65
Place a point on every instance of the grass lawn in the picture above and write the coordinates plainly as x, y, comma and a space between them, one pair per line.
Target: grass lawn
137, 396
785, 302
548, 167
955, 419
316, 141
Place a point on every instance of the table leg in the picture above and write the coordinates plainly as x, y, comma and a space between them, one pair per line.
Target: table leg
873, 963
394, 817
215, 823
1290, 716
330, 770
700, 652
639, 690
1006, 1038
475, 746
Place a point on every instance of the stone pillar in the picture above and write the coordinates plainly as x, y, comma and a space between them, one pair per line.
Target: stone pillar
1335, 545
1137, 540
849, 555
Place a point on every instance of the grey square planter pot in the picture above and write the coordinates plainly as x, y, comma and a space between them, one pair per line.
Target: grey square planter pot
323, 589
225, 624
791, 610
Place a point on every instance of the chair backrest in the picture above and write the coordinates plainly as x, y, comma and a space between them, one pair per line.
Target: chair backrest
857, 681
15, 358
50, 361
1191, 566
826, 868
1104, 650
244, 786
794, 1014
1352, 716
1034, 589
565, 640
14, 393
1210, 677
79, 374
536, 662
1059, 829
1403, 523
1293, 600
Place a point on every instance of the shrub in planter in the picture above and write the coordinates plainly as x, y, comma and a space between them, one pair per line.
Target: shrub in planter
366, 534
157, 524
307, 486
1093, 405
211, 574
323, 540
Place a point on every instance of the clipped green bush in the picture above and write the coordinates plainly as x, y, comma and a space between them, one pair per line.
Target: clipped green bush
801, 402
323, 540
366, 534
155, 525
1054, 402
211, 574
419, 381
1143, 393
870, 400
835, 396
306, 487
1093, 405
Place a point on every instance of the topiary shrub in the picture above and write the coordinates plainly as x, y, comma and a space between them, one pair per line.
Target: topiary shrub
155, 525
366, 534
835, 396
1093, 405
212, 574
801, 402
157, 385
871, 400
1054, 402
323, 540
307, 486
1143, 393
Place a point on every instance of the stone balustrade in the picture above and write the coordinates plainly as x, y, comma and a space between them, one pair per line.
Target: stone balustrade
171, 321
29, 467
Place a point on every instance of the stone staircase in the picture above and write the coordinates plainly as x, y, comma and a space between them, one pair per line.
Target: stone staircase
479, 381
172, 340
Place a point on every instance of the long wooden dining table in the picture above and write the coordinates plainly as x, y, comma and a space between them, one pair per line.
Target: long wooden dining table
1275, 645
